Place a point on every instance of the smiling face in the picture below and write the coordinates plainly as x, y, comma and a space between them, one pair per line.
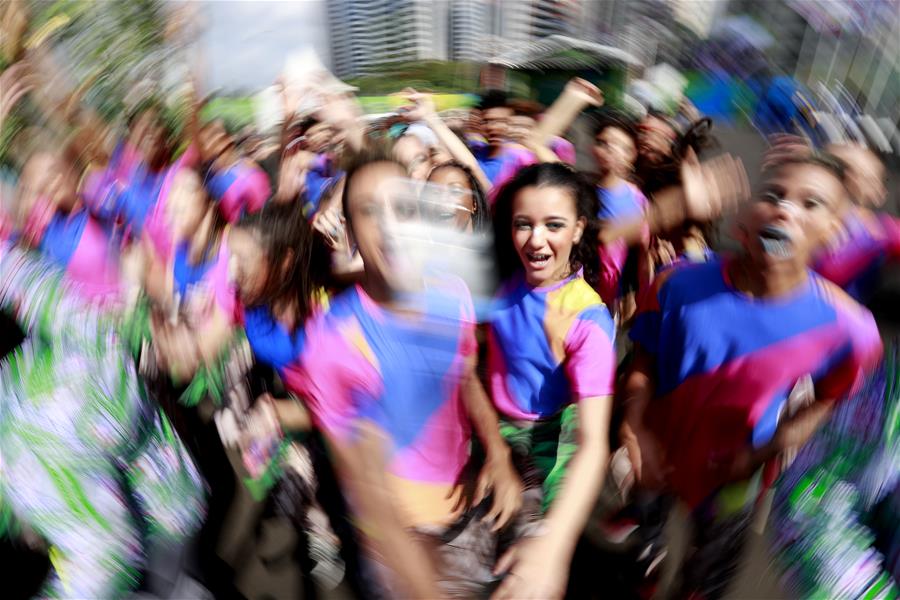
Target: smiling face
495, 123
545, 227
456, 201
795, 214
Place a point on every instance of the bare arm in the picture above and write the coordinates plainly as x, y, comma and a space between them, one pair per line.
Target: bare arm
425, 111
538, 567
707, 191
361, 467
498, 474
577, 95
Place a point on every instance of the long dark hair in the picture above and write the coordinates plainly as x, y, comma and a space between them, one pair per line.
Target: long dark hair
481, 220
280, 229
584, 253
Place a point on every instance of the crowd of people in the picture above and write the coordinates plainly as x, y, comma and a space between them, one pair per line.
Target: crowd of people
434, 344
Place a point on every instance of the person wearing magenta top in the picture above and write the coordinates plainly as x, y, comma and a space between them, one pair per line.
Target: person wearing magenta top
236, 183
388, 375
869, 239
61, 228
719, 347
614, 152
551, 364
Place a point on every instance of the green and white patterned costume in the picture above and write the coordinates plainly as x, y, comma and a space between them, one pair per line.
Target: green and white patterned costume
88, 462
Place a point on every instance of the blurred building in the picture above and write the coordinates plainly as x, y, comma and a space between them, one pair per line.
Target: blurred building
368, 33
847, 51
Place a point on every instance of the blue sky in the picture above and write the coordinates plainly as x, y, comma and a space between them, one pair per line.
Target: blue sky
246, 42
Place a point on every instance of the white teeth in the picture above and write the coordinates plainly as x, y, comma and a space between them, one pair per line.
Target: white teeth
777, 248
538, 258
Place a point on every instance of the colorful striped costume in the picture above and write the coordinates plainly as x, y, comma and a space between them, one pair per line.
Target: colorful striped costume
88, 462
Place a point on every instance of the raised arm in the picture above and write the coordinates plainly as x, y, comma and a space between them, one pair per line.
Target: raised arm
577, 96
424, 111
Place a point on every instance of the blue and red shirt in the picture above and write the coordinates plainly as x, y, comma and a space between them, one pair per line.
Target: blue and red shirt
726, 363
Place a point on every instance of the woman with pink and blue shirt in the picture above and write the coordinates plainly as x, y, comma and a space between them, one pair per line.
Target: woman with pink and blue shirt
56, 222
551, 364
615, 151
389, 376
237, 184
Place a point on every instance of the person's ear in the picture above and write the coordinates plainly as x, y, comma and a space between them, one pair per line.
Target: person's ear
579, 230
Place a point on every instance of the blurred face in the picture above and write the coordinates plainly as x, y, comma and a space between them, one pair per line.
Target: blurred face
457, 202
318, 137
48, 177
865, 174
375, 202
655, 139
214, 140
248, 266
149, 139
410, 152
495, 123
795, 214
520, 126
614, 152
187, 204
545, 227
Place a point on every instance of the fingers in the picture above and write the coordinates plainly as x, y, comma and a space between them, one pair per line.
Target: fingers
505, 563
503, 512
482, 487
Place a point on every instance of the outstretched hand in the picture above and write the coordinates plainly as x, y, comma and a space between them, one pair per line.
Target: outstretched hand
585, 91
713, 187
15, 82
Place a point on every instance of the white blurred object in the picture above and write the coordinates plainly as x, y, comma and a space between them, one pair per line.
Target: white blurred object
424, 133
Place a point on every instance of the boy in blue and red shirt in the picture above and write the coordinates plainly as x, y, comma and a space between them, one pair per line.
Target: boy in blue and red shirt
719, 347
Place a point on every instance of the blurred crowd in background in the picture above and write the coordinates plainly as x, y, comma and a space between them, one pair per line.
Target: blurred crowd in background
523, 299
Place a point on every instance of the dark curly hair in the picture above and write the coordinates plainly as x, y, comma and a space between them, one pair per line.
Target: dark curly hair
584, 253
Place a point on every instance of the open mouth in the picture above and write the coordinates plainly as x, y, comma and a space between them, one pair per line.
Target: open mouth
776, 242
537, 259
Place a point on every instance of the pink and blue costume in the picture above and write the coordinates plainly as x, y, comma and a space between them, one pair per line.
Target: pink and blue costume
726, 363
549, 347
362, 363
873, 240
621, 202
240, 189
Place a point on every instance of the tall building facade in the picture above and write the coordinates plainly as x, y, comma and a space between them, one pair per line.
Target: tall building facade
368, 33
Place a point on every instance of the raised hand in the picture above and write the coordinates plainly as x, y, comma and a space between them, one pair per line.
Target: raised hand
713, 187
422, 105
15, 82
585, 91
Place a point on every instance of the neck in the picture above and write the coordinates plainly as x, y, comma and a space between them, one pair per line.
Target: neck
769, 281
285, 311
610, 180
494, 151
